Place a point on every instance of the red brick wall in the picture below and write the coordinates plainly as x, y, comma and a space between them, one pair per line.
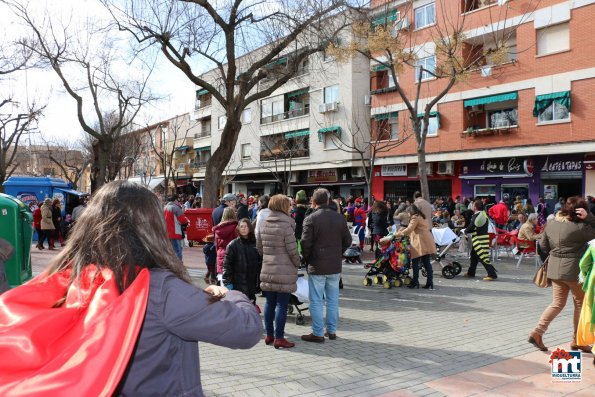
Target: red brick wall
580, 56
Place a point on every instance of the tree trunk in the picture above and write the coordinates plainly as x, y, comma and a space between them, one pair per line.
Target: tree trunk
218, 161
102, 164
423, 173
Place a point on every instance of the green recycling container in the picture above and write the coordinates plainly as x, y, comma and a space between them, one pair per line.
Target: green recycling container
16, 227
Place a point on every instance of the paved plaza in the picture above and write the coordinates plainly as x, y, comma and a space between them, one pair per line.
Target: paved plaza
467, 337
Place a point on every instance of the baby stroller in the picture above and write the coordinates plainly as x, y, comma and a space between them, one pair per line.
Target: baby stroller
297, 299
391, 269
445, 237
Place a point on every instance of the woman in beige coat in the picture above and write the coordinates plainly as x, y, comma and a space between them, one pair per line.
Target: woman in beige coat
47, 224
277, 245
422, 246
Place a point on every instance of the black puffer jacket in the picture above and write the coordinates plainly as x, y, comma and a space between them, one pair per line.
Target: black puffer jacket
378, 223
300, 215
241, 266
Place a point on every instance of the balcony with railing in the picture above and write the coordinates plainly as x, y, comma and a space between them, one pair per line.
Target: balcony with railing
287, 115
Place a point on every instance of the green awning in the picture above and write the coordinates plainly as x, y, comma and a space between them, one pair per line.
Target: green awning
280, 61
544, 101
295, 134
180, 148
202, 149
379, 67
298, 92
334, 129
386, 116
432, 114
201, 92
391, 16
510, 96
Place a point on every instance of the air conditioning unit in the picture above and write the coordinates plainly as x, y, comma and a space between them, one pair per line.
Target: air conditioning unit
401, 24
486, 71
357, 172
332, 107
367, 99
322, 108
446, 168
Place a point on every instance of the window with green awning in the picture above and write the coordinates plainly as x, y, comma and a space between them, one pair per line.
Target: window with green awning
333, 130
296, 134
280, 61
379, 67
201, 92
182, 148
298, 92
391, 16
202, 149
432, 114
510, 96
544, 101
386, 116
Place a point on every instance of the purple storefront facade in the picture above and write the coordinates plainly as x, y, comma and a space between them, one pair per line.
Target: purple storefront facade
532, 177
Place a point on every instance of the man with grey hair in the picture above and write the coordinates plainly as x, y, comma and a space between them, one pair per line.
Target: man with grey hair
228, 200
324, 238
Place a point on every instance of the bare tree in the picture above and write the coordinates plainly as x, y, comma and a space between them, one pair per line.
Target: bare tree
246, 42
14, 127
165, 139
86, 61
70, 156
366, 145
277, 155
389, 43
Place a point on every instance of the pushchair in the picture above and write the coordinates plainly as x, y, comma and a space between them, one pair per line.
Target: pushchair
391, 269
297, 299
352, 255
444, 238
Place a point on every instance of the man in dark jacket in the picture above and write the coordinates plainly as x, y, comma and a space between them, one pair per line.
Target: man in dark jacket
242, 208
324, 238
229, 200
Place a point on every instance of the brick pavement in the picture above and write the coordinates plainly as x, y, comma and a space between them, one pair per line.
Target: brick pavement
468, 337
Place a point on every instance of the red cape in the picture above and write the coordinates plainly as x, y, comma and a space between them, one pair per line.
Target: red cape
79, 349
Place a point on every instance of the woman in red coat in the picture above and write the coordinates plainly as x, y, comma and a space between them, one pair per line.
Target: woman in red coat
37, 225
224, 232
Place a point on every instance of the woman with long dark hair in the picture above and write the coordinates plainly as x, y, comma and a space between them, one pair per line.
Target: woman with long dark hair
118, 263
422, 245
565, 239
378, 222
242, 263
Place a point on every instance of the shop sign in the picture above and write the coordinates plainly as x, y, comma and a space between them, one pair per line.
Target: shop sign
562, 165
394, 170
513, 165
317, 176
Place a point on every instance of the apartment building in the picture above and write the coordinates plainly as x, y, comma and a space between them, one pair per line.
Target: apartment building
35, 160
522, 127
294, 137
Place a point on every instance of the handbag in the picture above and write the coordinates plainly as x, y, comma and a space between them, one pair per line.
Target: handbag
540, 279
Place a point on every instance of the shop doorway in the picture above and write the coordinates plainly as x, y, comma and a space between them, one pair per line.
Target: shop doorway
554, 189
393, 190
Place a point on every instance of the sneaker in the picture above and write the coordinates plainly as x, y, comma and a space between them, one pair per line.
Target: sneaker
488, 278
313, 338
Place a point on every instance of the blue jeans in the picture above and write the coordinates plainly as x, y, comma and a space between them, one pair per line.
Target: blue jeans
425, 261
275, 310
177, 244
324, 288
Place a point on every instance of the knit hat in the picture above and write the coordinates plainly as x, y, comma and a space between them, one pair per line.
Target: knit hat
301, 197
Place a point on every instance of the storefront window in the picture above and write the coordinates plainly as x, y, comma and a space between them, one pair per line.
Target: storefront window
485, 190
510, 192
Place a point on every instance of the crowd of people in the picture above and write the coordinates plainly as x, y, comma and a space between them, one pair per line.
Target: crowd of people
125, 234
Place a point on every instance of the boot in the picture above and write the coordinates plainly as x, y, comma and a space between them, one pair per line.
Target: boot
283, 343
